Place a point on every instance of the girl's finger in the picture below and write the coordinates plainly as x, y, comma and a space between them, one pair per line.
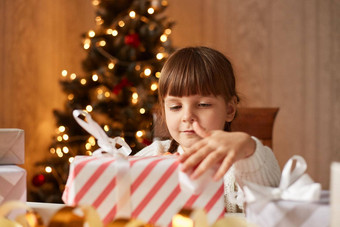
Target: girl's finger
224, 167
192, 150
207, 163
202, 132
192, 161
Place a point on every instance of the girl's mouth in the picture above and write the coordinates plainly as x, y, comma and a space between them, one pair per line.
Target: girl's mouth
189, 131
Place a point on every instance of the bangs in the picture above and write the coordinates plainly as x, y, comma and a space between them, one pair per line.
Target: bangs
191, 76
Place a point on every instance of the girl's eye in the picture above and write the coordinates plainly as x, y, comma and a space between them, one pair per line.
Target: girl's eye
174, 107
204, 104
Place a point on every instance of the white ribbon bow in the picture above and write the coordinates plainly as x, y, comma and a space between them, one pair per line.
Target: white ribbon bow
105, 143
122, 165
294, 185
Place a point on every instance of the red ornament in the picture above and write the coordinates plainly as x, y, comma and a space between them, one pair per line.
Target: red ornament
146, 142
38, 180
132, 40
123, 83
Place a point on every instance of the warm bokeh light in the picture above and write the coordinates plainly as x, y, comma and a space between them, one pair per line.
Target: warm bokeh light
70, 159
59, 152
135, 95
95, 2
88, 146
73, 76
132, 14
109, 31
95, 77
106, 128
137, 67
102, 43
160, 56
111, 65
154, 87
151, 10
92, 140
65, 150
147, 72
142, 111
121, 23
52, 150
139, 133
70, 97
64, 73
163, 38
91, 33
114, 33
167, 31
61, 128
48, 169
89, 108
164, 3
65, 137
107, 94
158, 74
83, 81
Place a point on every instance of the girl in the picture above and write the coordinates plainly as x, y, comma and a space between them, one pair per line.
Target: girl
198, 103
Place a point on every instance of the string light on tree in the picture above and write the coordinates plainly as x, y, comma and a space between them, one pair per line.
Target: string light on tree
64, 73
73, 76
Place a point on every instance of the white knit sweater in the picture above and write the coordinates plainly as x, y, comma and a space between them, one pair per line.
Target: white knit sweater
261, 168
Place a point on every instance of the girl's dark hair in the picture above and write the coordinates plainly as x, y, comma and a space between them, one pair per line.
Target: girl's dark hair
197, 70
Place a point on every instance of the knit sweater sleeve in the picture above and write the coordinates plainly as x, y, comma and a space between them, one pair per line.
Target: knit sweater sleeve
260, 168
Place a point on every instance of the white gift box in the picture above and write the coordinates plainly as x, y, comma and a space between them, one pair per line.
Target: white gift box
298, 201
12, 183
12, 146
335, 194
283, 213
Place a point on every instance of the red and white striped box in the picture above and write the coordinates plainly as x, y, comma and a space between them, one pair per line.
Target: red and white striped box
155, 191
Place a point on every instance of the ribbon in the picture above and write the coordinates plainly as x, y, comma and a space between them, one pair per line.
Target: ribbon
105, 143
198, 185
122, 165
23, 218
199, 218
295, 185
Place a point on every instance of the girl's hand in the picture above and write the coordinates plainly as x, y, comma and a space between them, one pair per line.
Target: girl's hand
216, 147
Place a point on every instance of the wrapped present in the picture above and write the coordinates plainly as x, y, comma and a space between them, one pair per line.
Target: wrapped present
12, 146
13, 183
298, 201
335, 194
152, 189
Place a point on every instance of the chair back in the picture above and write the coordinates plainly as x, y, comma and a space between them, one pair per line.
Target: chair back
256, 121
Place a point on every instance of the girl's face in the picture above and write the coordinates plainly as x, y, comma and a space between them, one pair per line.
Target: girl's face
210, 112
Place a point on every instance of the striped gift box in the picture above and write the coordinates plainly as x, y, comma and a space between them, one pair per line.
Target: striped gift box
13, 183
155, 191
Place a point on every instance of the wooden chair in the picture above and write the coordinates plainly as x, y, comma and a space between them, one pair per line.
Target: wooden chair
257, 122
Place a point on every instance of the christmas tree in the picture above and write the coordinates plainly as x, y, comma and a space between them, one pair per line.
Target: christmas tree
125, 54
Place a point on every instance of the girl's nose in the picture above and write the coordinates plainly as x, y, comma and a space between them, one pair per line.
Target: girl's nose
189, 116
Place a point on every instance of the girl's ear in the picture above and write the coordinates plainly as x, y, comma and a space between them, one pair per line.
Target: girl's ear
231, 109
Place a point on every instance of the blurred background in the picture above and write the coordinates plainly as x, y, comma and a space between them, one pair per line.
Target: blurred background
285, 54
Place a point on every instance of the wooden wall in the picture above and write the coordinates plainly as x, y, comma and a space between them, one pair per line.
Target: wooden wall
285, 54
38, 40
